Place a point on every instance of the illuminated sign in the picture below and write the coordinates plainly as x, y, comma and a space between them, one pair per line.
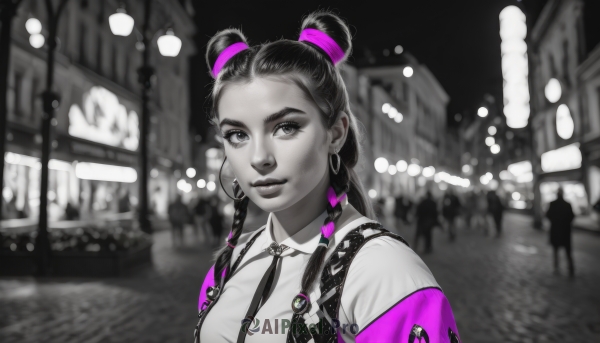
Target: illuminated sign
515, 68
105, 172
565, 158
104, 120
564, 122
522, 171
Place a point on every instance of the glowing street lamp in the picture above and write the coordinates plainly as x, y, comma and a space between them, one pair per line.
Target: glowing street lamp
190, 172
169, 45
413, 169
121, 23
495, 149
33, 26
408, 71
381, 165
553, 91
401, 166
482, 112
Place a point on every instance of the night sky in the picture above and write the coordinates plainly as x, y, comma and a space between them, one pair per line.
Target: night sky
457, 40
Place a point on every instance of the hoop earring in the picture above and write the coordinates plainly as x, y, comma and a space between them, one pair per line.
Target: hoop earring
335, 170
236, 186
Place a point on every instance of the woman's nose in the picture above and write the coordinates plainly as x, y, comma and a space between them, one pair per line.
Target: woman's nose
262, 156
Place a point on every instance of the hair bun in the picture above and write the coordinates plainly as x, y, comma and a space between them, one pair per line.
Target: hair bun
333, 26
221, 41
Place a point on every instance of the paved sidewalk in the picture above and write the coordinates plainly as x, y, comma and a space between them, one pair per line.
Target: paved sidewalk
501, 290
155, 304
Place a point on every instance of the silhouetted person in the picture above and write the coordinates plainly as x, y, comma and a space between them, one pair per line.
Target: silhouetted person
450, 210
495, 209
402, 206
216, 220
71, 212
178, 216
201, 218
427, 219
560, 213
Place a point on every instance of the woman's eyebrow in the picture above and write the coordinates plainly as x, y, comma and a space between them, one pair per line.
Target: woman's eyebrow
284, 112
277, 115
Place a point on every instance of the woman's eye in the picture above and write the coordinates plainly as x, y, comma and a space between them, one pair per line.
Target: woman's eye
288, 128
235, 137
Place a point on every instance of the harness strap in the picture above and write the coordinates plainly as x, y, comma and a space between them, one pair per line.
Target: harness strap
333, 277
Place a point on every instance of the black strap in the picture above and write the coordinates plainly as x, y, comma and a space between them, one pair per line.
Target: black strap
260, 293
202, 314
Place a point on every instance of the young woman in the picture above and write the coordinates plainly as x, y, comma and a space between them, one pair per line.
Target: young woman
321, 269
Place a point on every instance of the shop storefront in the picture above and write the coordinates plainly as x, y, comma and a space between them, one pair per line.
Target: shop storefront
562, 168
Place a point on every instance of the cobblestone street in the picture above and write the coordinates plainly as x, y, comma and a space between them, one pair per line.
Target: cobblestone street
501, 290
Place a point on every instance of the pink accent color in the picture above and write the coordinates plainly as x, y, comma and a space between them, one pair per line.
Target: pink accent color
323, 41
230, 245
226, 55
332, 197
209, 281
328, 229
428, 308
304, 296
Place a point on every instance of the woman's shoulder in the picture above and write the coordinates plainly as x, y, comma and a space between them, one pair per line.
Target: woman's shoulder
383, 272
390, 260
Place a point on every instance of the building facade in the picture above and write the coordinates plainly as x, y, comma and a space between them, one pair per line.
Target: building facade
402, 110
94, 163
562, 108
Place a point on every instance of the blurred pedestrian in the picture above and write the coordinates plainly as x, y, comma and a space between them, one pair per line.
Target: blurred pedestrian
470, 202
216, 220
450, 210
495, 209
480, 211
201, 220
71, 212
178, 216
401, 207
560, 213
427, 219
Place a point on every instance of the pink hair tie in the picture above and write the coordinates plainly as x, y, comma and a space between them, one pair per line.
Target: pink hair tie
226, 55
333, 198
230, 245
328, 229
323, 41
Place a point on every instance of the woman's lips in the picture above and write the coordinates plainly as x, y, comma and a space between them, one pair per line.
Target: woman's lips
270, 188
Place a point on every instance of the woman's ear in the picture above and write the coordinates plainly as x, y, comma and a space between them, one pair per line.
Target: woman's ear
339, 132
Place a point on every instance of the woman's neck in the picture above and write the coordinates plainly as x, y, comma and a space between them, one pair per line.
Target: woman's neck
288, 222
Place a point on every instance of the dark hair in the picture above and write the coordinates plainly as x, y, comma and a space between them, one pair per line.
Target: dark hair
311, 69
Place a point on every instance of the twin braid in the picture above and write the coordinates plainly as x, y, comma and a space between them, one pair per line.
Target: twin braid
224, 257
340, 185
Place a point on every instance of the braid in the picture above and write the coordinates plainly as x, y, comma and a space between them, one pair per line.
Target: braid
340, 184
224, 256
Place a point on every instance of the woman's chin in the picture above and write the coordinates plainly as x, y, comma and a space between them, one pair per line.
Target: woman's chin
273, 203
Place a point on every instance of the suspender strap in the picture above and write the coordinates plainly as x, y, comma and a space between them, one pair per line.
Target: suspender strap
260, 293
202, 314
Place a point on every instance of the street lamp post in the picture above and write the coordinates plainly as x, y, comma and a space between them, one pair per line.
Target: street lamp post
122, 24
51, 102
8, 10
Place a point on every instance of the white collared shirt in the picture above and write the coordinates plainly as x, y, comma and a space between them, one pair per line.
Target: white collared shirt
383, 272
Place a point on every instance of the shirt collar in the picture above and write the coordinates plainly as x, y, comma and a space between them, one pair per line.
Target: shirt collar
307, 239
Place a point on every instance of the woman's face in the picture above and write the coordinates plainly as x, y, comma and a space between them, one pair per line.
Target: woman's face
273, 133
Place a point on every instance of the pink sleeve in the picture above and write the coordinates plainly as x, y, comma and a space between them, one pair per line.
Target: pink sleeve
427, 312
209, 281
